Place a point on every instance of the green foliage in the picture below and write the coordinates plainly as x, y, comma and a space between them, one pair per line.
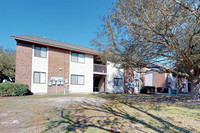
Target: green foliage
148, 89
166, 90
159, 89
7, 64
14, 89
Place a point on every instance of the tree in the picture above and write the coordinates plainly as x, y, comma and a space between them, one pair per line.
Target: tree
7, 64
153, 34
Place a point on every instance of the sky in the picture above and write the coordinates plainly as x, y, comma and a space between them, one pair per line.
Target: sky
71, 21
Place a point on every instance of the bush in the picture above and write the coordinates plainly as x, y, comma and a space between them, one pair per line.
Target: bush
148, 89
159, 89
14, 89
166, 90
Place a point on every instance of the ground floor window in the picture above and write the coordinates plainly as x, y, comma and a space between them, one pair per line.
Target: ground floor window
137, 83
77, 79
118, 81
39, 77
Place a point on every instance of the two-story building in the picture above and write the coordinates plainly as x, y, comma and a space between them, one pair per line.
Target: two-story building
54, 67
47, 66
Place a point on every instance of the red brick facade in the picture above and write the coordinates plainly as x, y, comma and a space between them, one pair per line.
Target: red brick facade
160, 79
129, 76
23, 63
58, 58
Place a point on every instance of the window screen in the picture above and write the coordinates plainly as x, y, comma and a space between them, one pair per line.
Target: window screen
76, 57
74, 80
77, 79
43, 52
40, 51
37, 51
81, 58
118, 82
42, 77
80, 80
36, 77
39, 77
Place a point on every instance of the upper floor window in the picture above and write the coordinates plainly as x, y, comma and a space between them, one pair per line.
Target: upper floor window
118, 81
76, 57
40, 51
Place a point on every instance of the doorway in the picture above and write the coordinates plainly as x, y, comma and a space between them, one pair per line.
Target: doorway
99, 83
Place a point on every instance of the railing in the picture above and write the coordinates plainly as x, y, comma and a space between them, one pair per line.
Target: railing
100, 68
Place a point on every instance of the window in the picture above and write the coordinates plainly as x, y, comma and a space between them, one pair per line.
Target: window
118, 82
76, 57
137, 83
77, 79
40, 51
39, 77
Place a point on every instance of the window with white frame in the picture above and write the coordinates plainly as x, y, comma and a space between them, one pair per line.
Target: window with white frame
137, 83
40, 51
39, 77
118, 82
77, 57
77, 79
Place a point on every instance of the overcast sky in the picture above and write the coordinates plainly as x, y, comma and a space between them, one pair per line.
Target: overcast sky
72, 21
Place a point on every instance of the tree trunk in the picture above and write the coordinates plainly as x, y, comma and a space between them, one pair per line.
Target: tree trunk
194, 91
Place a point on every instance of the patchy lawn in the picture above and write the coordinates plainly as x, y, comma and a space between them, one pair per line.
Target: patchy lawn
99, 113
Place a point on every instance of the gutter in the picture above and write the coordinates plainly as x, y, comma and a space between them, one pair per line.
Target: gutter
54, 45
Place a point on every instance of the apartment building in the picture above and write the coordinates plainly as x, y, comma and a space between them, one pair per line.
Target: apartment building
54, 67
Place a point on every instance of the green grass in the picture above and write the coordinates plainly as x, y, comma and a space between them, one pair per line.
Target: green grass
120, 113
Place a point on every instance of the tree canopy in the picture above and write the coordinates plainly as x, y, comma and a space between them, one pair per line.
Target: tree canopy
160, 35
7, 64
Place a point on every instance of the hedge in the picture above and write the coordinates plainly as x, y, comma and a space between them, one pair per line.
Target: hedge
147, 89
14, 89
159, 89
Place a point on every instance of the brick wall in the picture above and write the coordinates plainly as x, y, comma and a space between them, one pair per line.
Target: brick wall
23, 63
128, 75
160, 79
58, 58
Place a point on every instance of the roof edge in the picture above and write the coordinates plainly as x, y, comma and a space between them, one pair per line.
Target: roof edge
53, 45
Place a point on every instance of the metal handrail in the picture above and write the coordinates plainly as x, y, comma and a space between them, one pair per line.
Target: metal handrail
100, 68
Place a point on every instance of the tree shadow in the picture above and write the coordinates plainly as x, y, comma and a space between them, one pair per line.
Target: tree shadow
112, 121
82, 123
164, 122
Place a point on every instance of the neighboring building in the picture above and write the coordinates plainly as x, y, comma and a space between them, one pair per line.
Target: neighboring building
45, 64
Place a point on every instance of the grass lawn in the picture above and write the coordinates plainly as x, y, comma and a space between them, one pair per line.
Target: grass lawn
98, 113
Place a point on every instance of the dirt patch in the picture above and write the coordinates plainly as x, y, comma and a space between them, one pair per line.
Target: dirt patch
31, 114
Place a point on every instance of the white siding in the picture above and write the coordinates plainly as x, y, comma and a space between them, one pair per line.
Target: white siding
136, 77
173, 81
85, 69
112, 73
39, 64
149, 79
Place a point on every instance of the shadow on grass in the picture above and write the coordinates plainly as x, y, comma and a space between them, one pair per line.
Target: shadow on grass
114, 119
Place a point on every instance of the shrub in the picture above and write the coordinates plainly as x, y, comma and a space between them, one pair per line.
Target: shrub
166, 90
159, 89
148, 89
14, 89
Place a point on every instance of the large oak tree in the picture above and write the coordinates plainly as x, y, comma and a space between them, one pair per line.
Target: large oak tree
162, 35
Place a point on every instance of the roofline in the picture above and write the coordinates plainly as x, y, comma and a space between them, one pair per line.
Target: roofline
53, 45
